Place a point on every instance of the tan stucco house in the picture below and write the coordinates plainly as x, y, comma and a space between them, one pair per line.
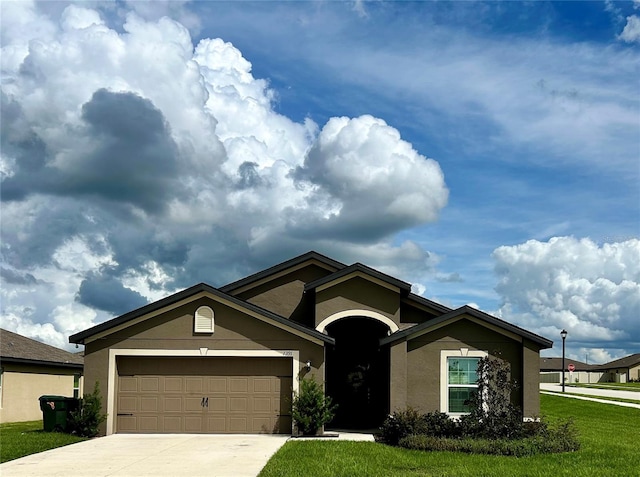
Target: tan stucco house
30, 369
621, 370
227, 360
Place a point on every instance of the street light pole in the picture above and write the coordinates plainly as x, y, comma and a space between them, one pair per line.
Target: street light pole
563, 333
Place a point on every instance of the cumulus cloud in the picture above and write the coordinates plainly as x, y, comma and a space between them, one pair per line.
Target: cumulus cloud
135, 163
591, 290
631, 31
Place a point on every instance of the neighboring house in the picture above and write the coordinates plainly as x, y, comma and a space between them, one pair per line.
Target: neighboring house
227, 360
622, 370
551, 371
30, 369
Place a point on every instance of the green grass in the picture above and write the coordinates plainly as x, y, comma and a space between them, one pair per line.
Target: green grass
633, 387
604, 398
18, 439
609, 436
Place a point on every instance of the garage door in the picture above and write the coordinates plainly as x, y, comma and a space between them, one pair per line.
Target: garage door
204, 395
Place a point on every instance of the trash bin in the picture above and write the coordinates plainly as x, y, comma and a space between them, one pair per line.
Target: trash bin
56, 410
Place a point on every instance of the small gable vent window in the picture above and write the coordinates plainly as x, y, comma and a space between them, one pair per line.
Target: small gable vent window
203, 320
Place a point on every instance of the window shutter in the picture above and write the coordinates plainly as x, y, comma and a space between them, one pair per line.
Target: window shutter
203, 320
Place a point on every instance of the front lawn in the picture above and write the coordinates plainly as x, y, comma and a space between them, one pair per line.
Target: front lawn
609, 435
633, 387
18, 439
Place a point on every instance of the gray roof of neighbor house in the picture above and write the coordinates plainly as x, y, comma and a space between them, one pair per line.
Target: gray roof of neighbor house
15, 348
481, 315
176, 297
626, 362
555, 364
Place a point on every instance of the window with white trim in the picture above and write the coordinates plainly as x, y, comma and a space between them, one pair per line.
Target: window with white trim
76, 385
203, 320
458, 378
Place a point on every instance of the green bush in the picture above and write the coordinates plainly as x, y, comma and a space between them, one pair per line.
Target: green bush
562, 438
310, 408
439, 424
492, 415
401, 424
86, 420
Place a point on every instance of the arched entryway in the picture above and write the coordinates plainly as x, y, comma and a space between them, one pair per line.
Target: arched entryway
357, 372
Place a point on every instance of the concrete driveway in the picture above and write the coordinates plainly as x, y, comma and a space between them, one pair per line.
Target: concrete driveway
155, 455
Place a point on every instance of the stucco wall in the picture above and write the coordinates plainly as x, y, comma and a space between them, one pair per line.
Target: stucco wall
415, 314
22, 385
285, 295
173, 330
424, 354
634, 372
357, 293
530, 387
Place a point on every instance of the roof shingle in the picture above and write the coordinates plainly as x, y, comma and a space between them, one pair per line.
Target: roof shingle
15, 347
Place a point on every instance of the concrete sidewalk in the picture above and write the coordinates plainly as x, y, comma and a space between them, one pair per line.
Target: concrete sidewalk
591, 394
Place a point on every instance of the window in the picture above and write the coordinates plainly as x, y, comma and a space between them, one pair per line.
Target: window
1, 376
458, 379
203, 320
76, 385
461, 382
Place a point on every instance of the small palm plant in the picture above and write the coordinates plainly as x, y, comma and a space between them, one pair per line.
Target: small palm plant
310, 408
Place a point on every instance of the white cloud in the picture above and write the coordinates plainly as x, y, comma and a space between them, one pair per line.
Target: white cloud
631, 31
136, 163
591, 290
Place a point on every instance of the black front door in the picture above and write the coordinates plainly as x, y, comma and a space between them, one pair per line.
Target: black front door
358, 373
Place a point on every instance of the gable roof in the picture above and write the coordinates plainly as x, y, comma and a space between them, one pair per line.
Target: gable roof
358, 269
312, 256
626, 362
412, 297
465, 310
555, 364
16, 348
188, 293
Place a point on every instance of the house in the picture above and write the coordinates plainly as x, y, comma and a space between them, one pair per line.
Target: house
30, 369
227, 360
621, 370
551, 371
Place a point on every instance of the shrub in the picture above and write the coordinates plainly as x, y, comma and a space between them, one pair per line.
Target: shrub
401, 424
310, 408
492, 415
85, 421
439, 424
562, 438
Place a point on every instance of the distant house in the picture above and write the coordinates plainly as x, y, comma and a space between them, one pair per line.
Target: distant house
618, 371
622, 370
227, 360
551, 371
30, 369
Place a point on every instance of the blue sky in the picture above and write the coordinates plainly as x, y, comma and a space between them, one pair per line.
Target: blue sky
489, 153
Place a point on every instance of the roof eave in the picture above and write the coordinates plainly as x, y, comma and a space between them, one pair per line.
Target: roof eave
363, 269
9, 359
79, 338
406, 334
280, 267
